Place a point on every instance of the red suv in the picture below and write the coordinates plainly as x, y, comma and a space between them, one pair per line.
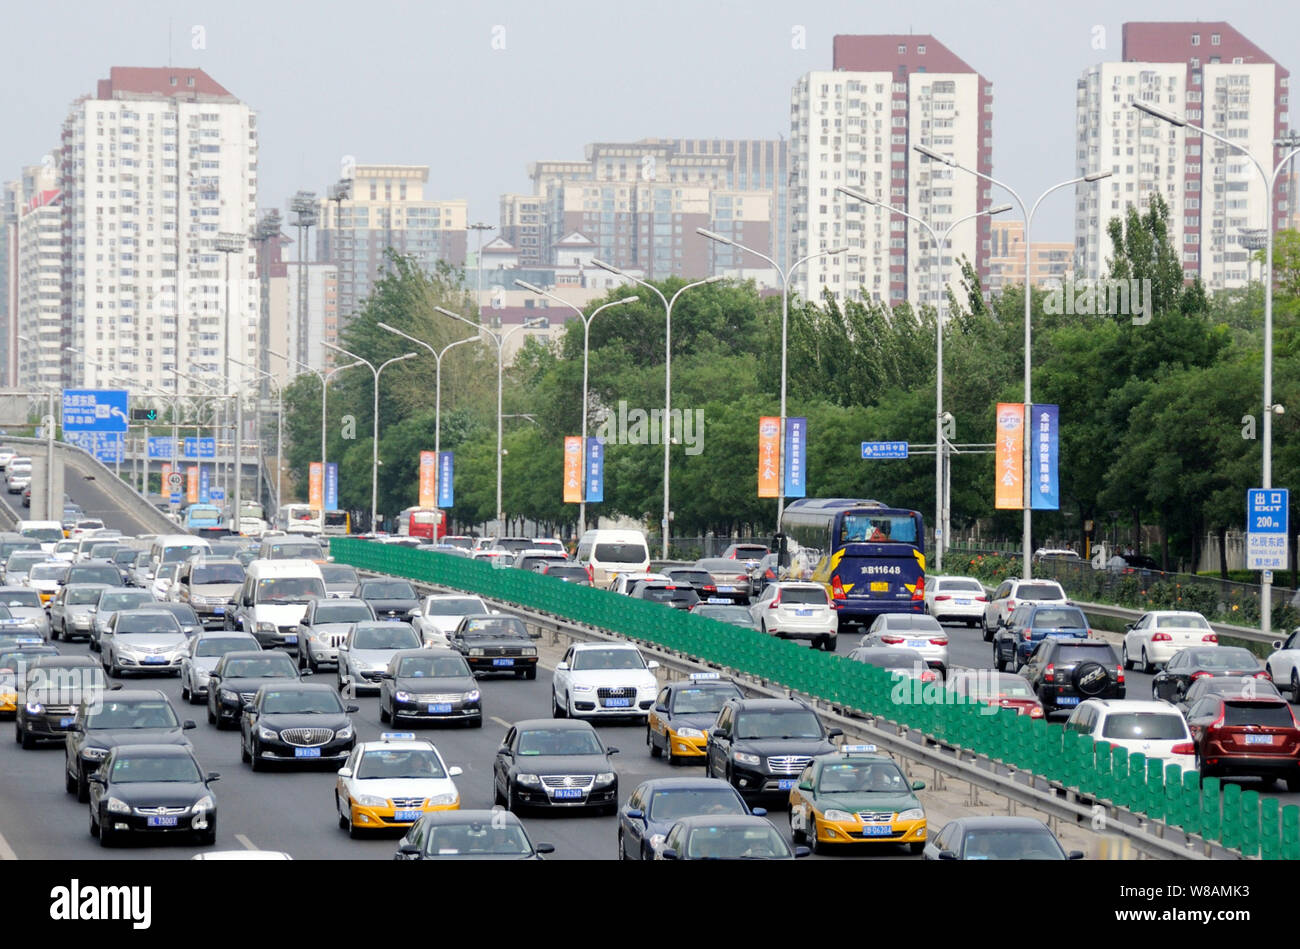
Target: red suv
1241, 734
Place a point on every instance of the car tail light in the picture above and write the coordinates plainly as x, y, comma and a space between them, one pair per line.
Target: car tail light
941, 596
919, 592
981, 599
837, 588
891, 640
1211, 638
1261, 675
768, 574
1011, 604
670, 588
1119, 670
1201, 675
1049, 674
1162, 638
929, 675
938, 642
776, 599
1036, 712
590, 576
1183, 748
710, 588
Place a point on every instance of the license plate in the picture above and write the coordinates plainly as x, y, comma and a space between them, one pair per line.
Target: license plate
717, 599
617, 703
1067, 700
440, 708
880, 830
963, 602
65, 722
803, 612
785, 784
390, 619
306, 752
1259, 739
405, 816
880, 586
916, 644
568, 794
219, 610
291, 638
162, 821
722, 589
154, 660
503, 662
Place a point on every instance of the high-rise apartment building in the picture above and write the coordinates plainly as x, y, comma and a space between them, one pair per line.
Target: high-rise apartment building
856, 125
521, 225
10, 199
153, 166
37, 277
1051, 263
1211, 75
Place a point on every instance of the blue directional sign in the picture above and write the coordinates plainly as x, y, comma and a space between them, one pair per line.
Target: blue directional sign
175, 497
160, 447
884, 449
200, 447
1266, 528
107, 447
95, 410
217, 494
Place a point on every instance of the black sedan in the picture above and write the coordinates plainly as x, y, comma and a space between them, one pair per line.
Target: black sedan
727, 838
121, 717
237, 677
56, 687
496, 644
429, 685
469, 835
1206, 685
996, 838
390, 599
296, 722
152, 790
555, 765
652, 809
1173, 681
185, 615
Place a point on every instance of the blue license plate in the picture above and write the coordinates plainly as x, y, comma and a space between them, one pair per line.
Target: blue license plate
390, 619
879, 830
291, 638
440, 708
1259, 739
785, 784
916, 644
1067, 700
803, 612
154, 660
65, 722
723, 589
568, 794
219, 610
963, 602
717, 599
503, 662
405, 816
306, 752
162, 821
617, 703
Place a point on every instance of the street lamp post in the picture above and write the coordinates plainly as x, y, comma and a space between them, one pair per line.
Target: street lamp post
228, 244
586, 352
500, 340
478, 300
306, 212
49, 450
1270, 185
279, 430
374, 462
936, 277
784, 276
198, 432
1029, 217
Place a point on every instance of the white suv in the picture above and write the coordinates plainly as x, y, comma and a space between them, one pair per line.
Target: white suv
797, 611
1012, 593
1156, 729
603, 680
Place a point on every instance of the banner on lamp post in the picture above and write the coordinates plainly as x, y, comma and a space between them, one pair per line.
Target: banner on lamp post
205, 475
192, 484
1044, 421
595, 471
573, 469
796, 461
769, 456
1010, 433
428, 479
315, 485
446, 479
331, 486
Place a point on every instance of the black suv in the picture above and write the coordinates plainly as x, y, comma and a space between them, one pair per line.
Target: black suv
761, 746
1064, 672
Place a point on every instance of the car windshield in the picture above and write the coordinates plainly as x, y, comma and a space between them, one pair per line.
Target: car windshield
289, 589
29, 599
736, 843
338, 573
95, 574
814, 597
385, 636
1011, 845
43, 534
23, 560
342, 613
585, 660
270, 667
701, 701
457, 606
893, 621
182, 552
183, 612
621, 553
560, 569
125, 555
559, 741
415, 667
778, 723
959, 584
859, 776
1151, 726
82, 597
737, 615
296, 552
1226, 657
217, 573
453, 840
132, 623
878, 528
1273, 714
388, 590
104, 551
1057, 618
1230, 685
1039, 591
395, 763
139, 770
300, 702
1182, 621
216, 646
11, 660
496, 628
150, 714
1100, 653
111, 602
887, 658
672, 804
690, 576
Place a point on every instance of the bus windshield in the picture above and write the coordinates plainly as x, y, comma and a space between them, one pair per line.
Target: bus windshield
878, 528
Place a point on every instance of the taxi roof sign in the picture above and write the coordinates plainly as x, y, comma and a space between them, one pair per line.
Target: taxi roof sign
858, 750
702, 676
397, 736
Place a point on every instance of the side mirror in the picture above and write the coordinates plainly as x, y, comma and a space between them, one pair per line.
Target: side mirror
947, 855
188, 724
351, 709
835, 733
805, 786
97, 779
545, 848
759, 811
495, 612
669, 854
535, 634
561, 667
77, 727
636, 814
305, 672
662, 708
505, 750
212, 776
801, 852
385, 675
455, 771
611, 751
1128, 626
1277, 644
652, 664
1075, 855
407, 850
918, 785
345, 772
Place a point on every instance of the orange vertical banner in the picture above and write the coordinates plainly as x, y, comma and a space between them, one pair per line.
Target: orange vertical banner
192, 484
166, 471
1010, 493
572, 469
769, 456
316, 486
428, 479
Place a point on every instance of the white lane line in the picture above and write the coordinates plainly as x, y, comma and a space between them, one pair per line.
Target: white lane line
500, 721
6, 852
245, 842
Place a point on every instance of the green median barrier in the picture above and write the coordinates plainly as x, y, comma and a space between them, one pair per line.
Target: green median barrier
1191, 821
1100, 782
1075, 759
1211, 822
1154, 791
1291, 832
1270, 829
1230, 830
1135, 786
1175, 802
1250, 823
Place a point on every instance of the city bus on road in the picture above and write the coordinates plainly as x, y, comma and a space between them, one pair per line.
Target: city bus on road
422, 522
868, 556
299, 519
336, 524
205, 520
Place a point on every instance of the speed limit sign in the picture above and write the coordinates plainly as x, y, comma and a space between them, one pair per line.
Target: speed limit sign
174, 481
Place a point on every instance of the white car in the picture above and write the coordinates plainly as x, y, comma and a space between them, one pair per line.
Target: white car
441, 613
1157, 635
550, 545
84, 526
955, 599
165, 579
65, 551
1156, 729
393, 782
913, 631
1283, 665
603, 680
1014, 592
793, 610
624, 582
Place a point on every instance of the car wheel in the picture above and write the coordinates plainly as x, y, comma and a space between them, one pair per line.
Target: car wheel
384, 715
338, 809
988, 633
1148, 666
69, 779
498, 799
342, 686
1128, 663
54, 633
1295, 685
669, 758
106, 837
83, 787
243, 751
355, 832
916, 849
312, 664
655, 750
998, 662
531, 673
27, 740
796, 833
94, 825
811, 834
512, 802
622, 853
1155, 693
208, 837
556, 711
186, 694
257, 763
212, 719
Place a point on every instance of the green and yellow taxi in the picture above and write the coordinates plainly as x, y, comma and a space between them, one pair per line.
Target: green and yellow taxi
677, 727
854, 796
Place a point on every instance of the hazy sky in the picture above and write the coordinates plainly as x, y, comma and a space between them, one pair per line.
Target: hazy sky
478, 90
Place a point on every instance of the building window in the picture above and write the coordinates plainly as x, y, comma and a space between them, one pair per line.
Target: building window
1196, 39
1214, 39
902, 50
920, 51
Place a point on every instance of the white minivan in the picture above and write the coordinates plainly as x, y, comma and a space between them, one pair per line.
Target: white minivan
612, 552
173, 549
273, 600
48, 533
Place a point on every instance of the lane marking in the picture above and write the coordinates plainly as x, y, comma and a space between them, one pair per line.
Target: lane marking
500, 721
6, 852
245, 842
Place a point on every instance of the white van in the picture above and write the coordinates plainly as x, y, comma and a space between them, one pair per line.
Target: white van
273, 600
174, 548
48, 533
609, 553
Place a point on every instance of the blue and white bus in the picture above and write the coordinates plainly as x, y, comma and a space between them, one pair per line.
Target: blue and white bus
870, 557
205, 520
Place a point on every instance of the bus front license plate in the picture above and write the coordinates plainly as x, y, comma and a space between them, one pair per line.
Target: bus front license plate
880, 586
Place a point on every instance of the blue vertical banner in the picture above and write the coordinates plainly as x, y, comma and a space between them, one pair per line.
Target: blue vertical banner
1045, 431
205, 495
595, 475
331, 486
446, 490
796, 460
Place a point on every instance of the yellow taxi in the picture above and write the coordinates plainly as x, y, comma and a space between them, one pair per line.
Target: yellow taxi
855, 796
12, 663
392, 782
677, 727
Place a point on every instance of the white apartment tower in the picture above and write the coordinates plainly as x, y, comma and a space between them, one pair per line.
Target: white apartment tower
38, 262
154, 166
1214, 77
856, 125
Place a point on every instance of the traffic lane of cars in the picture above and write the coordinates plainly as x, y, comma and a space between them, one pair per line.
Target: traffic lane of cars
95, 501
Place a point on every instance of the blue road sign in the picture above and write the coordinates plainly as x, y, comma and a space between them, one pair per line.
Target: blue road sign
160, 447
175, 497
217, 494
95, 410
200, 447
884, 449
107, 447
1266, 528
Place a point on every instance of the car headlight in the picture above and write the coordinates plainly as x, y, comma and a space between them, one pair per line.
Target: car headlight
266, 628
344, 733
583, 688
94, 754
228, 696
913, 813
267, 734
472, 696
34, 708
605, 777
117, 807
204, 803
837, 815
689, 733
746, 758
528, 779
448, 798
476, 651
528, 651
82, 620
402, 696
369, 800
